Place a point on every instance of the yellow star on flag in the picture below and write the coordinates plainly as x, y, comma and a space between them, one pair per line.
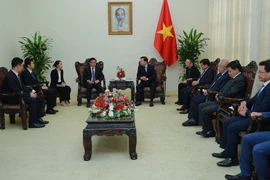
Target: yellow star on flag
166, 31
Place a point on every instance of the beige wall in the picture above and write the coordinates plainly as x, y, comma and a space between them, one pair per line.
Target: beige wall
80, 30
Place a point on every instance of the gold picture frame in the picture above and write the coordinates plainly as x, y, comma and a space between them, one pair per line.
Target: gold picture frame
120, 18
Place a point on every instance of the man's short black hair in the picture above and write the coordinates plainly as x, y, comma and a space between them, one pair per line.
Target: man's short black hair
266, 65
92, 58
235, 65
28, 61
16, 61
144, 58
205, 62
191, 59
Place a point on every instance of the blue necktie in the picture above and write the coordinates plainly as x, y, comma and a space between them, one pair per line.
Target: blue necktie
213, 83
33, 75
93, 75
259, 92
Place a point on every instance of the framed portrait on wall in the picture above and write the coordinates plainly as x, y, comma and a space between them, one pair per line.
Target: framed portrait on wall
120, 18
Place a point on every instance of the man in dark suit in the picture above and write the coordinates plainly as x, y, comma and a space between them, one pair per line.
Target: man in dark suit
192, 73
29, 78
92, 77
255, 147
234, 89
12, 83
219, 82
147, 74
233, 126
206, 78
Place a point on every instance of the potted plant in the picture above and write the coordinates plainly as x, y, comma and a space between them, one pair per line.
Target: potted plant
37, 47
191, 45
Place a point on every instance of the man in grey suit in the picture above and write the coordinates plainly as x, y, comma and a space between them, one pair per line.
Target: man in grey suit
234, 89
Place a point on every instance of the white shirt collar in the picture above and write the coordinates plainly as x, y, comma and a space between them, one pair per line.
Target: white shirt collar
17, 74
29, 70
266, 83
236, 75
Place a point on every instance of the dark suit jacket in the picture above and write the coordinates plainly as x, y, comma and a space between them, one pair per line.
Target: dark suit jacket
150, 74
194, 73
28, 79
54, 78
87, 75
207, 77
260, 103
235, 88
11, 84
220, 82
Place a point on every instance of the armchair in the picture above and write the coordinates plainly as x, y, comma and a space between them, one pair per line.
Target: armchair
160, 68
225, 112
11, 109
81, 89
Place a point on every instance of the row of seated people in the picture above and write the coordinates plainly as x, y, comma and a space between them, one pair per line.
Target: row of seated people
19, 77
201, 112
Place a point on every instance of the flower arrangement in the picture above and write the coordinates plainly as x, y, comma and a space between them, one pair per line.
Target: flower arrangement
112, 105
120, 72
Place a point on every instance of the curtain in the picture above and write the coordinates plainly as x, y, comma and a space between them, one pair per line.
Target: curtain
229, 30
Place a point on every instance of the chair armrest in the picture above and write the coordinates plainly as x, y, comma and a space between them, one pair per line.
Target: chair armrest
229, 100
12, 94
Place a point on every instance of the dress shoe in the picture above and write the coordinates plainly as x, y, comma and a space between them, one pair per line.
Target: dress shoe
236, 177
50, 111
180, 109
56, 111
88, 104
228, 162
209, 134
200, 133
185, 111
151, 104
190, 122
138, 103
35, 125
218, 141
177, 102
219, 155
41, 121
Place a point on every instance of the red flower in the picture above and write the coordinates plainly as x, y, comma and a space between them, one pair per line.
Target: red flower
119, 106
99, 104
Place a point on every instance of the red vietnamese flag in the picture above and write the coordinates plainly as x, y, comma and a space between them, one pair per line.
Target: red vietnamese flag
165, 40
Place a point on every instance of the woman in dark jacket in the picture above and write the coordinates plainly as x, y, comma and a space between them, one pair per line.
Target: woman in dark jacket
58, 82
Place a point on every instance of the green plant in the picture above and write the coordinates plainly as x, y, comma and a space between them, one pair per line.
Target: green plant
37, 47
191, 46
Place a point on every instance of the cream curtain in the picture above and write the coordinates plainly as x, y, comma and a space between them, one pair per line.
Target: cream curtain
229, 30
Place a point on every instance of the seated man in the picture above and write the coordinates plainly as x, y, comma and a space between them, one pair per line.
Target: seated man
254, 147
92, 77
147, 74
206, 78
29, 78
12, 84
234, 89
233, 126
192, 73
219, 82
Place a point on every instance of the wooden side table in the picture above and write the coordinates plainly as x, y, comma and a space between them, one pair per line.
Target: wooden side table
103, 127
122, 84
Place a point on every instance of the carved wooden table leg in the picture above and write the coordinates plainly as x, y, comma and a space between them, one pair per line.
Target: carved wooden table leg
132, 92
132, 143
87, 143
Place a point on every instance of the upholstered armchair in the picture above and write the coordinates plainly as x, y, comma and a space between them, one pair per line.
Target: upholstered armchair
11, 109
160, 68
225, 111
81, 89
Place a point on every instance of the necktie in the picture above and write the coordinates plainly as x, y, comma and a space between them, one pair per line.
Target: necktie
201, 75
259, 92
93, 75
20, 81
33, 75
261, 88
213, 83
145, 68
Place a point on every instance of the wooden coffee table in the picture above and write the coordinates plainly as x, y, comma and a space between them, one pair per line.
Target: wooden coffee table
103, 127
